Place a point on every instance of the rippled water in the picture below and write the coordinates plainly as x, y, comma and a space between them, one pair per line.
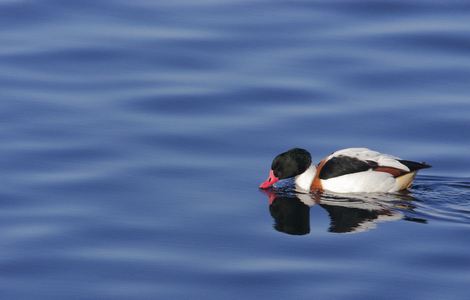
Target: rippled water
134, 136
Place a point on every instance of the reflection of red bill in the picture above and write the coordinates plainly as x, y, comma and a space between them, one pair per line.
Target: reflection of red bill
271, 195
270, 181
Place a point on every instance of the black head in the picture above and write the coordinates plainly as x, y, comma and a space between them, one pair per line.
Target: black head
291, 163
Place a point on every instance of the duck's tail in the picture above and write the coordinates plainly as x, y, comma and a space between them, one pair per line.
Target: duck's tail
415, 166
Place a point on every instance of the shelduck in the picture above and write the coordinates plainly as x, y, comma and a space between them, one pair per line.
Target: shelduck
351, 170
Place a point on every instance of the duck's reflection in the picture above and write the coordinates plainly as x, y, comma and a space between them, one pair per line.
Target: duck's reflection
352, 219
352, 213
290, 215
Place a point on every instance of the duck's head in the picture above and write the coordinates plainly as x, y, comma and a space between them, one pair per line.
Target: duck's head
286, 165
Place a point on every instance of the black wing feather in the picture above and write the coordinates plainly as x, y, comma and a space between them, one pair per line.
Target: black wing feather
342, 165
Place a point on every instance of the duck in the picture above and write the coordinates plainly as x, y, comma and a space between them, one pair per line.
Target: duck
350, 170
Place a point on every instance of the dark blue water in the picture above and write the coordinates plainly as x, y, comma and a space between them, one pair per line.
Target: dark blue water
134, 135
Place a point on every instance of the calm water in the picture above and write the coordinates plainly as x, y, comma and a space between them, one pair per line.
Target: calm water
134, 135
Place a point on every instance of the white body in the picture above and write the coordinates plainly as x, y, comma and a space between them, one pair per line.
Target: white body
360, 182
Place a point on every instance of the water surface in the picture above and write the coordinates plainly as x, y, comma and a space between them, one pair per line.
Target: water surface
134, 136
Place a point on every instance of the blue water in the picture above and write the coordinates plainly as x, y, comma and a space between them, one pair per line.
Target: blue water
134, 135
